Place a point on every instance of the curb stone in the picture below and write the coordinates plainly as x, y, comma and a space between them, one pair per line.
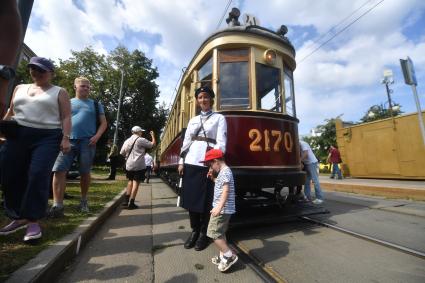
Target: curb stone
47, 265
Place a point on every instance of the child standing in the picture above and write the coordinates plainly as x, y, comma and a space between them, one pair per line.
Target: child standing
223, 208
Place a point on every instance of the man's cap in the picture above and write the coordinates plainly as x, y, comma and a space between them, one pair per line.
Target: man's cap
213, 154
43, 63
136, 129
205, 89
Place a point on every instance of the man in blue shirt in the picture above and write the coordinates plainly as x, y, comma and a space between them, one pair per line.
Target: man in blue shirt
84, 136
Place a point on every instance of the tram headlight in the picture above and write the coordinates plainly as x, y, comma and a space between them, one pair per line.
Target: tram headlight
270, 56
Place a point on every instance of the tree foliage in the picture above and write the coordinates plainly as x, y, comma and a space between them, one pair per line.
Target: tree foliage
378, 112
140, 92
326, 136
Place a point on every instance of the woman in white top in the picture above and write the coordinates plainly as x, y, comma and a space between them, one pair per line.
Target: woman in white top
205, 131
42, 113
133, 150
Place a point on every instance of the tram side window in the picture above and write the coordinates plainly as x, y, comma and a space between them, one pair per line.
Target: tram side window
268, 88
234, 79
205, 73
289, 92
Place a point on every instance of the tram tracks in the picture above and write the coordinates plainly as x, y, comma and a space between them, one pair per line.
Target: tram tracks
265, 272
366, 237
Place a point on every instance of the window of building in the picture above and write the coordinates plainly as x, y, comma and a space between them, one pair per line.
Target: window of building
268, 88
233, 84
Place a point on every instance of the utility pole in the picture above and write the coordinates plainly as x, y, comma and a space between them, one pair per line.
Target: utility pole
117, 122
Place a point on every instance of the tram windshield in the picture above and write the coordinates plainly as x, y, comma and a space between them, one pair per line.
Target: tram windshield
234, 79
289, 92
268, 88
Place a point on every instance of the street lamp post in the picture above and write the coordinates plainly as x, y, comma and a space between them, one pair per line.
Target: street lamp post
387, 80
117, 122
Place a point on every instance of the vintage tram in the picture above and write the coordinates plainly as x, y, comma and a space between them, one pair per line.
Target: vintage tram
250, 68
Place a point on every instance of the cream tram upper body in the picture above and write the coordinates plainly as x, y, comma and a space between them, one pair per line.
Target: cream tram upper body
250, 69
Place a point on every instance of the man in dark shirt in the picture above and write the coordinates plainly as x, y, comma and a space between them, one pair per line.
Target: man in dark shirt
334, 158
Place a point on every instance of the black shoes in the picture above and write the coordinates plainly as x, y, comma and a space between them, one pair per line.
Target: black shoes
201, 243
190, 242
132, 206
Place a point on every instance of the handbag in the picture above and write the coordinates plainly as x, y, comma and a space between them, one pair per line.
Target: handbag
9, 128
186, 150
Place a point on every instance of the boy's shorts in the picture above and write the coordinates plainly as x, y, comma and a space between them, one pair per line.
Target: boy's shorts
136, 175
217, 227
81, 149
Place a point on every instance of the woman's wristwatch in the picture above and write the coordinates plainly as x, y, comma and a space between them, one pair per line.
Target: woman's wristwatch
67, 136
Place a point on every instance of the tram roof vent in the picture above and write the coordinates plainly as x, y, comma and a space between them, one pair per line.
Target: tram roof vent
232, 20
282, 31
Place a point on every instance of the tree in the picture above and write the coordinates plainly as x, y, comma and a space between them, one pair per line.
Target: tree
378, 112
320, 143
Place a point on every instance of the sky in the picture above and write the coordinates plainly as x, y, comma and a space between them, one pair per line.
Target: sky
343, 77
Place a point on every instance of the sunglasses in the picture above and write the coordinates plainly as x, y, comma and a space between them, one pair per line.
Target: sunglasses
37, 68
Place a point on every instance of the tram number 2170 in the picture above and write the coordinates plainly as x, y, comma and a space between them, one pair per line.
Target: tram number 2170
273, 139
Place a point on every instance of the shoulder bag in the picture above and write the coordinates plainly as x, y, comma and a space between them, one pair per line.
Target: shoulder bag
131, 149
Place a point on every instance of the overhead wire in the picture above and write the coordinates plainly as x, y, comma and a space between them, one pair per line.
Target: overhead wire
175, 87
339, 32
337, 25
181, 75
224, 14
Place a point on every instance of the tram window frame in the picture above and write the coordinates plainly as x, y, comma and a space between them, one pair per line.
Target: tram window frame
206, 80
238, 55
288, 78
259, 65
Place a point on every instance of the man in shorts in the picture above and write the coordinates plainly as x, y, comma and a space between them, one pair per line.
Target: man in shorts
84, 135
133, 150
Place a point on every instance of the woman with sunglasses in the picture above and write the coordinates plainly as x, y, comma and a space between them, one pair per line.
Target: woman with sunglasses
42, 113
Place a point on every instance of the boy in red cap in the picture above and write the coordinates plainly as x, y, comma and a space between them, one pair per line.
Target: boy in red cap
223, 207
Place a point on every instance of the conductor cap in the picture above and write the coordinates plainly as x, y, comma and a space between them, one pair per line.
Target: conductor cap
205, 89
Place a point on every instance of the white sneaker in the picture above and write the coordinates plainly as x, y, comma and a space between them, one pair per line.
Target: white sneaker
227, 262
317, 201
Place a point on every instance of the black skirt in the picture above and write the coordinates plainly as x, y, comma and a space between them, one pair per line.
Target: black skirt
198, 190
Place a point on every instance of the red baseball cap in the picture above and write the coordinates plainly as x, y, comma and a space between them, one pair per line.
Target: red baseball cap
213, 154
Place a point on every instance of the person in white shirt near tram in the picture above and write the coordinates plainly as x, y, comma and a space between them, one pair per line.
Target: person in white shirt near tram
310, 166
205, 131
148, 163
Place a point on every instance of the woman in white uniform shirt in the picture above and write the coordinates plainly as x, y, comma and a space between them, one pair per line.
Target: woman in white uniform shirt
207, 130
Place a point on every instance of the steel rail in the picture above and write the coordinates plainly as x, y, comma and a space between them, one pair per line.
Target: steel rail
265, 272
368, 238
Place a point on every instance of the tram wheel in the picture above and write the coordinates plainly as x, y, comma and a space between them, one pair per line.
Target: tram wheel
282, 195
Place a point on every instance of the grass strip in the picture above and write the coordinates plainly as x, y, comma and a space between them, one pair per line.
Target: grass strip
14, 253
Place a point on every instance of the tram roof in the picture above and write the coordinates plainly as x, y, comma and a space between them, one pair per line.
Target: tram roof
258, 30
